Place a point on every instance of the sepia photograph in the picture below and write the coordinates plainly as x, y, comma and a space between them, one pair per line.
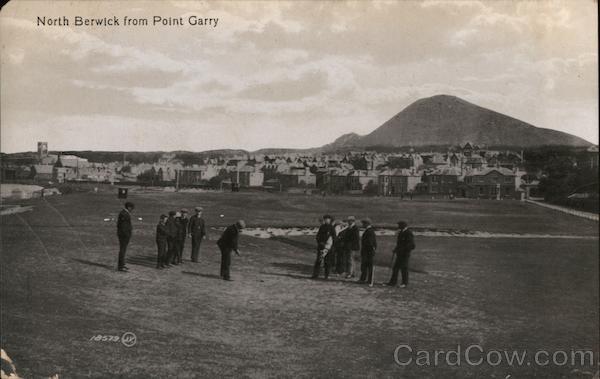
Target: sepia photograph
299, 189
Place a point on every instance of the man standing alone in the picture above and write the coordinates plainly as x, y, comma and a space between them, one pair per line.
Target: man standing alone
161, 241
404, 245
197, 230
367, 253
124, 230
228, 243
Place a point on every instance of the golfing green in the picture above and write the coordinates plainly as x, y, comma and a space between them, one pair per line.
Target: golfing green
61, 290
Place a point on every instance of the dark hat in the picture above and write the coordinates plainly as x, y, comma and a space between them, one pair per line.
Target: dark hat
129, 204
327, 217
366, 221
402, 224
172, 213
184, 210
163, 216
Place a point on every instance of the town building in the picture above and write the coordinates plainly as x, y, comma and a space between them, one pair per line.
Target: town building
41, 172
491, 183
247, 176
441, 181
397, 182
298, 177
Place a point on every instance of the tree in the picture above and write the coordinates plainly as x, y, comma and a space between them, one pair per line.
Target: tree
359, 163
562, 177
371, 188
149, 176
215, 181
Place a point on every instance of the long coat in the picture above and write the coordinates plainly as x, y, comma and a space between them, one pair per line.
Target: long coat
229, 238
161, 232
197, 227
182, 226
352, 238
326, 231
405, 242
171, 227
369, 241
124, 226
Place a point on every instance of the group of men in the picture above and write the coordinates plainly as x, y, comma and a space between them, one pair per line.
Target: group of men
171, 234
339, 244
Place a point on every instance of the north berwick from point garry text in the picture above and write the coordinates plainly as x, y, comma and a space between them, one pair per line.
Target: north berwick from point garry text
192, 20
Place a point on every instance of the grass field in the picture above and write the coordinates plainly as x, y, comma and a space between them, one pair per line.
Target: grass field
60, 288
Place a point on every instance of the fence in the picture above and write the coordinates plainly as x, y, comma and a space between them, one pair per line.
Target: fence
574, 212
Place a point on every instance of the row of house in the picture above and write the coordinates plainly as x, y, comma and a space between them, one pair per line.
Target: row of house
489, 182
468, 171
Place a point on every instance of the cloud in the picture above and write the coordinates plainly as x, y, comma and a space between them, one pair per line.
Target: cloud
302, 72
310, 84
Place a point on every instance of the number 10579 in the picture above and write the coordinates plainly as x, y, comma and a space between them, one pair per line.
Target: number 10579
105, 338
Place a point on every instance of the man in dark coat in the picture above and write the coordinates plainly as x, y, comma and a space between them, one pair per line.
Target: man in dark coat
182, 233
172, 230
197, 230
339, 247
179, 232
367, 252
325, 237
228, 243
404, 245
161, 241
351, 246
124, 230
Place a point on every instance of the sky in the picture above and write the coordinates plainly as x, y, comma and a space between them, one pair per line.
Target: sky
285, 74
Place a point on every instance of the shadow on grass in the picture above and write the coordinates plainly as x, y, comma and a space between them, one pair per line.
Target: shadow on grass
295, 243
298, 267
306, 269
294, 276
210, 276
96, 264
331, 279
387, 266
143, 260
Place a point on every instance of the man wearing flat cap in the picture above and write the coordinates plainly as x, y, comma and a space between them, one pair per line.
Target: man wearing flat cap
325, 237
161, 241
124, 231
338, 249
351, 246
228, 243
197, 230
367, 252
177, 240
172, 230
182, 232
404, 245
